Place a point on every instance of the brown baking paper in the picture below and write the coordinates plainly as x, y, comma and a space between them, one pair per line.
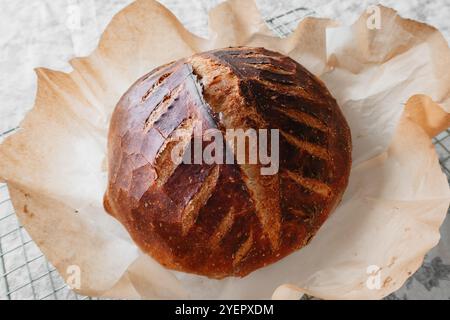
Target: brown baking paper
393, 85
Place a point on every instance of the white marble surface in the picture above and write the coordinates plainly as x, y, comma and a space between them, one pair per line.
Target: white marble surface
38, 33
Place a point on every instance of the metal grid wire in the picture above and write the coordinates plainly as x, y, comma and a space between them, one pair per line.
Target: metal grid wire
24, 271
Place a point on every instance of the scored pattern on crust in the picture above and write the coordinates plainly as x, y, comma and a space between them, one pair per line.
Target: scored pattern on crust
243, 250
223, 220
313, 185
274, 73
303, 118
191, 211
261, 188
311, 148
181, 138
223, 228
162, 107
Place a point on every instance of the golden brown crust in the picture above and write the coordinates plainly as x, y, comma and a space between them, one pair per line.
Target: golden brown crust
226, 220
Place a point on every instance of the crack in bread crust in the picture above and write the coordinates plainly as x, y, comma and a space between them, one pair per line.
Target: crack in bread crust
180, 138
225, 220
223, 229
243, 250
311, 184
192, 209
310, 148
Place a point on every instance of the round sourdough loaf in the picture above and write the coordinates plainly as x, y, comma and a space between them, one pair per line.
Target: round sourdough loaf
221, 220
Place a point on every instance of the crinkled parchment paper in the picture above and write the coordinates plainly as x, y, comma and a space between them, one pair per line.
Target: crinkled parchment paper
393, 85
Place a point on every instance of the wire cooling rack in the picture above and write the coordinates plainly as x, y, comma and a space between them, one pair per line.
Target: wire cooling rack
24, 271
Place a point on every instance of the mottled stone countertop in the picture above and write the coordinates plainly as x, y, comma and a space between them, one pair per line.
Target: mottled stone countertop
34, 33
